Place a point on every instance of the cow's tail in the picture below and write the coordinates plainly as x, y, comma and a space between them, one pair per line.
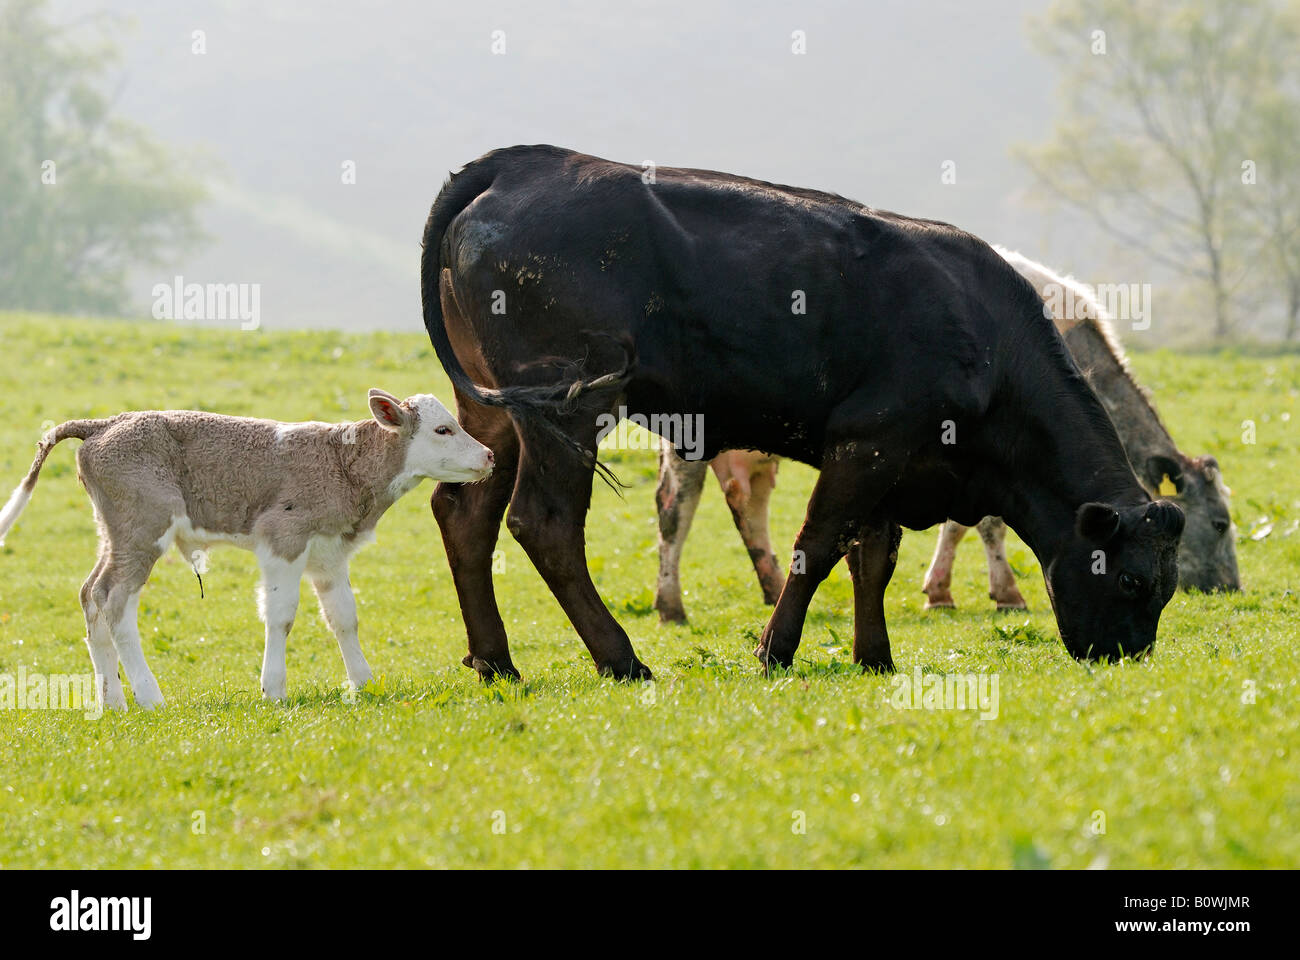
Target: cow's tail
540, 405
81, 429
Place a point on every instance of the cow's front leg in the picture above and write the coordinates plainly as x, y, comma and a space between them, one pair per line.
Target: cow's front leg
547, 516
338, 606
871, 561
680, 484
1002, 580
847, 491
277, 604
938, 579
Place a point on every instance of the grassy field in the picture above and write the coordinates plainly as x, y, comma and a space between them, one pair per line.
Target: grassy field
1189, 759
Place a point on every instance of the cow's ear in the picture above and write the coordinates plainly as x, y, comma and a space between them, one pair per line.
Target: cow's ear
1097, 522
1162, 476
389, 412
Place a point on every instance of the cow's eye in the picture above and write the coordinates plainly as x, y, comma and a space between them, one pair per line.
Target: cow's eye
1129, 584
443, 431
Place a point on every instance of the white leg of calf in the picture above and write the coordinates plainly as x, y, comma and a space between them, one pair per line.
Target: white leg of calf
339, 608
277, 605
103, 655
99, 641
938, 579
126, 637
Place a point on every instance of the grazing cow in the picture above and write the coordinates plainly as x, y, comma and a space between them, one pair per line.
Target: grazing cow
302, 496
903, 358
1207, 553
1207, 556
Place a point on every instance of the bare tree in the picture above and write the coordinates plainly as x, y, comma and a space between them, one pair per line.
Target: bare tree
1156, 102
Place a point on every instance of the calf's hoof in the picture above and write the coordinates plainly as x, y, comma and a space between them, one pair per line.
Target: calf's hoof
1012, 605
939, 601
632, 669
490, 670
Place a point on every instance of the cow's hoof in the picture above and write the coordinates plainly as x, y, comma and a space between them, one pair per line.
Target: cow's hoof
878, 665
626, 670
671, 614
772, 661
490, 670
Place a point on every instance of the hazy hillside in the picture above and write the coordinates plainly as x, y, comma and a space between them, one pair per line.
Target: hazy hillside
286, 93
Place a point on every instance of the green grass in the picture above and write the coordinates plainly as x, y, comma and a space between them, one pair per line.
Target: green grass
714, 764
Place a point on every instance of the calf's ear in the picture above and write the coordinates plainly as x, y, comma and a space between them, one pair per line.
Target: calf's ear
1097, 522
389, 412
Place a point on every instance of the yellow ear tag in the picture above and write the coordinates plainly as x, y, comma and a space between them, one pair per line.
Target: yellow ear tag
1167, 488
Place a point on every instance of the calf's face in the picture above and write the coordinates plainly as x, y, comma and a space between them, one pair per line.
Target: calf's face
437, 446
1114, 576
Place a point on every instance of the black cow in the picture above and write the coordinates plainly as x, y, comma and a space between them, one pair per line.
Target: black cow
903, 358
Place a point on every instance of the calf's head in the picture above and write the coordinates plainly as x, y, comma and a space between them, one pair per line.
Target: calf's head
437, 446
1207, 557
1113, 576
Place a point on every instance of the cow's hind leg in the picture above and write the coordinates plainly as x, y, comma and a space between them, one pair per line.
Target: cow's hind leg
871, 563
547, 516
680, 484
938, 579
1002, 580
469, 516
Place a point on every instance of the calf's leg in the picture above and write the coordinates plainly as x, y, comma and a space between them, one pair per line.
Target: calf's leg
277, 603
1002, 581
99, 640
116, 597
338, 606
938, 579
680, 484
872, 560
469, 516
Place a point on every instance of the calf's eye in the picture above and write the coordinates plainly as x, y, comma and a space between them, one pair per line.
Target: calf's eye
443, 431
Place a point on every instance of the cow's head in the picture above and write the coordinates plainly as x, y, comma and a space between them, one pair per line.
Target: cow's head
1113, 576
1207, 558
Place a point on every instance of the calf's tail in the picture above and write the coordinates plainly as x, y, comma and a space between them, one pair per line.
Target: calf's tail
80, 429
539, 405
